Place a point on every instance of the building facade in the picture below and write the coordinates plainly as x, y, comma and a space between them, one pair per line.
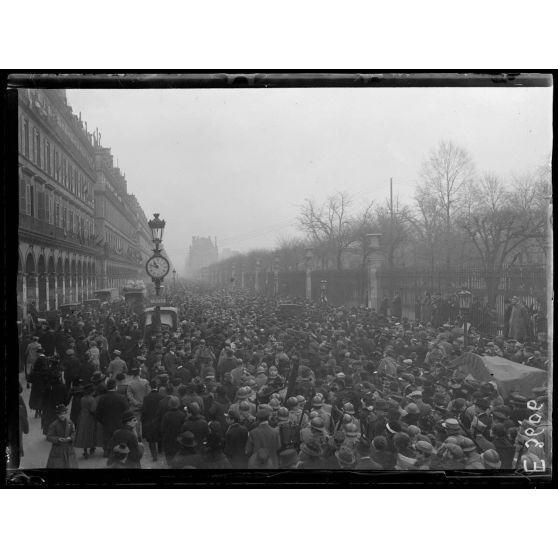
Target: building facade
79, 229
203, 252
115, 222
56, 165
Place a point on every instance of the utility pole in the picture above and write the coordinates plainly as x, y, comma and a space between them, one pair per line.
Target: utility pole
391, 200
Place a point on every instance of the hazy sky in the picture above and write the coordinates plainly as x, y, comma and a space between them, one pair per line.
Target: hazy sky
236, 164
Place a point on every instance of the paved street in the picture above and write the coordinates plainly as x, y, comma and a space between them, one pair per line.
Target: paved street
36, 448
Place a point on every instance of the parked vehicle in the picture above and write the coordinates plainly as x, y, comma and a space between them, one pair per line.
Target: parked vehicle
92, 303
168, 316
135, 296
107, 295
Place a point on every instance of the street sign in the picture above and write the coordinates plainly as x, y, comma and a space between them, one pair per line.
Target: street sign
158, 301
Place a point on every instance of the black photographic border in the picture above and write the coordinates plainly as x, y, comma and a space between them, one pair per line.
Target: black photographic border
111, 478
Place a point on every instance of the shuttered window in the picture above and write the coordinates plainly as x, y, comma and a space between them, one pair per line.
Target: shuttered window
47, 157
26, 137
40, 204
22, 197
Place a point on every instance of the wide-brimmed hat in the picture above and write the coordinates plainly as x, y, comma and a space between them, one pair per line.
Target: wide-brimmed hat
287, 458
451, 424
174, 402
61, 408
97, 377
312, 448
187, 439
491, 459
424, 447
121, 449
243, 392
345, 456
127, 416
264, 412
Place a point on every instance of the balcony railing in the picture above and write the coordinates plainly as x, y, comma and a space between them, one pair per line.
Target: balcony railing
28, 223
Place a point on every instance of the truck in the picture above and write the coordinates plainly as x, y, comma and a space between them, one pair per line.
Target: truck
107, 295
135, 294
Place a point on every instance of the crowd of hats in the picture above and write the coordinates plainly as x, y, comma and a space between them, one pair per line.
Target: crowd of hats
367, 384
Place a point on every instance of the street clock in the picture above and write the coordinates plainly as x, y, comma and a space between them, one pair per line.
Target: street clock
157, 267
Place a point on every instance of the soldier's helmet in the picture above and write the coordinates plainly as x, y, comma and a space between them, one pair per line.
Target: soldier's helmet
317, 401
292, 402
349, 409
317, 423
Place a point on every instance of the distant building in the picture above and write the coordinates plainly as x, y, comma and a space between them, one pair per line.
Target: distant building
203, 252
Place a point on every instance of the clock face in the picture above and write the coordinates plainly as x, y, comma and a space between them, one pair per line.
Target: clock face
157, 267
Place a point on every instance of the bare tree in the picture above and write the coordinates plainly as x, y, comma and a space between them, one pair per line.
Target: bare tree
392, 220
426, 221
499, 223
290, 251
329, 224
447, 174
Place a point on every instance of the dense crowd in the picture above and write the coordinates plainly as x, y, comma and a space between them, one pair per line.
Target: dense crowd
242, 384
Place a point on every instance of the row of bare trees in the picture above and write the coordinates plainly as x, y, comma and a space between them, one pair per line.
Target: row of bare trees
457, 215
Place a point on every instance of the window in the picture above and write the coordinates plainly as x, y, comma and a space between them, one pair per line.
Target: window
64, 218
30, 202
40, 203
56, 166
37, 147
76, 181
71, 225
22, 197
64, 172
57, 212
47, 157
50, 208
26, 137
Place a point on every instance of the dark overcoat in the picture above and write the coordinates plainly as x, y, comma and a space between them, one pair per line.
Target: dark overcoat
109, 411
86, 435
62, 455
149, 416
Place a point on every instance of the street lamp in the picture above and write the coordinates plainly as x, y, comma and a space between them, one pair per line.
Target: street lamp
464, 298
308, 257
157, 227
157, 267
323, 291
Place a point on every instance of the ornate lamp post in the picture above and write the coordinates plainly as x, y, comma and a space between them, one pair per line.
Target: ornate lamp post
375, 259
233, 277
323, 291
308, 258
157, 266
464, 298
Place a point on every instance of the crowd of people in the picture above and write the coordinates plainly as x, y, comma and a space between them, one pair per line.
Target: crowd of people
519, 321
240, 384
